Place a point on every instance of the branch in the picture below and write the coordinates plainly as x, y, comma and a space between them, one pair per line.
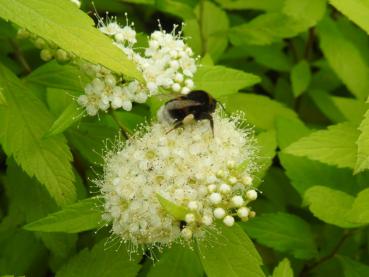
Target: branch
20, 57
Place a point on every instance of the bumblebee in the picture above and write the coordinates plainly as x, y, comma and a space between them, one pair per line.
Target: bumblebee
196, 105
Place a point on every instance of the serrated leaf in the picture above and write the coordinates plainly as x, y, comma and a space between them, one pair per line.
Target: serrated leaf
362, 162
81, 216
270, 27
283, 232
355, 10
359, 212
101, 261
179, 261
318, 145
54, 75
260, 110
232, 254
352, 268
329, 205
283, 269
345, 58
70, 115
300, 77
219, 80
71, 29
178, 212
24, 121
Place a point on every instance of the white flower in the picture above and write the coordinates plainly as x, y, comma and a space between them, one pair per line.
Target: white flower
154, 162
111, 29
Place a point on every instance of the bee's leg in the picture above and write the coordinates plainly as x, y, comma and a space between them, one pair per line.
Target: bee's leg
208, 117
177, 124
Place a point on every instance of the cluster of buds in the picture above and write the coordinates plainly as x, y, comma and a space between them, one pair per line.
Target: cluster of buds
108, 90
227, 193
49, 50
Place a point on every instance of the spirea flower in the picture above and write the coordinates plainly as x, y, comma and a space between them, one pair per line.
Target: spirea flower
201, 174
167, 63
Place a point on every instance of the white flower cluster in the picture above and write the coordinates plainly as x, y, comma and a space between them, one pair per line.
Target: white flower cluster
49, 50
208, 177
107, 90
167, 63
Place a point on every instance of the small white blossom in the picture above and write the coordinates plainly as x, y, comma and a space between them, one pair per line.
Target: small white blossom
219, 213
228, 220
252, 194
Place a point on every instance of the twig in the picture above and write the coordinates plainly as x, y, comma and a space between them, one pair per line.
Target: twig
326, 258
309, 43
20, 57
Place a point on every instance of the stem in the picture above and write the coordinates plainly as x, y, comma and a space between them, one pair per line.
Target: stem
326, 258
20, 57
125, 132
309, 43
202, 35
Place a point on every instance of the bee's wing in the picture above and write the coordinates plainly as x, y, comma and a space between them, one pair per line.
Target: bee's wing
177, 104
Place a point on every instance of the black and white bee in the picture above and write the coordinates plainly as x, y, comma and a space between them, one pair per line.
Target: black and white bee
196, 105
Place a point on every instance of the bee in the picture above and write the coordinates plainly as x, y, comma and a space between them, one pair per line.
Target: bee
196, 105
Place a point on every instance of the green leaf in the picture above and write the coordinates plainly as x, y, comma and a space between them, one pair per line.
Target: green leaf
78, 217
283, 269
283, 232
219, 80
289, 130
305, 173
362, 162
267, 149
177, 8
329, 205
179, 261
70, 115
101, 261
296, 17
70, 28
352, 268
267, 5
355, 10
318, 145
323, 100
54, 75
300, 77
345, 58
232, 254
89, 139
24, 121
214, 36
359, 212
260, 110
178, 212
352, 109
2, 98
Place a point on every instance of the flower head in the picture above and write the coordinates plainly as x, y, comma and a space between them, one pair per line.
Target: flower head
201, 174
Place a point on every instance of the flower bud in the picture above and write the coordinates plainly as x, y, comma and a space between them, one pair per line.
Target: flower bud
228, 220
